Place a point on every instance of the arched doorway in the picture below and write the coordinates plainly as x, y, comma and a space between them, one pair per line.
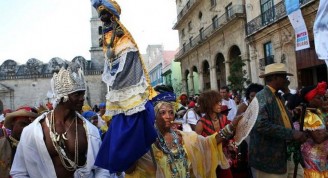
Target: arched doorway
186, 76
193, 82
220, 70
196, 80
206, 75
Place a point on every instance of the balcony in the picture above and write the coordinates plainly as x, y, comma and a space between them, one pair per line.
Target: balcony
269, 17
235, 12
184, 11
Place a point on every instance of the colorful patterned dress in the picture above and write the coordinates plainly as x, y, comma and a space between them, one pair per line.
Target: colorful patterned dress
315, 155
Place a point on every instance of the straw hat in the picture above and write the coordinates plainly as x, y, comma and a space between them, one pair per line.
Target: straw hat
10, 117
275, 68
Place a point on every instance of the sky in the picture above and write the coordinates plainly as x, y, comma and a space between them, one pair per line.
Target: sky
44, 29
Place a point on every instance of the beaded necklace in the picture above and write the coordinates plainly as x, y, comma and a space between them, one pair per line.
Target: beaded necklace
173, 157
60, 145
13, 141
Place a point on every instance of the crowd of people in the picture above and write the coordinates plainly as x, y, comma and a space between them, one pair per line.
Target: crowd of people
195, 137
142, 131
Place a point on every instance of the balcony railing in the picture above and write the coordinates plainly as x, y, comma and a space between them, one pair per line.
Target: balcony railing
270, 16
184, 10
235, 12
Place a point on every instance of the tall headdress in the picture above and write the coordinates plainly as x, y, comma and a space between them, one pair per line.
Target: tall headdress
109, 5
67, 81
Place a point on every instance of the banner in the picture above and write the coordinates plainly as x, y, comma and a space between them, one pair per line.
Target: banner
320, 31
301, 33
291, 6
297, 21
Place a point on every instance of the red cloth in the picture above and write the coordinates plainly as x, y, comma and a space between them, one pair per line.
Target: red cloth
208, 127
223, 173
320, 89
191, 104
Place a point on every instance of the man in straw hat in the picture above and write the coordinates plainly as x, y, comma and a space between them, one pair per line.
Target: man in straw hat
273, 130
60, 143
131, 131
15, 121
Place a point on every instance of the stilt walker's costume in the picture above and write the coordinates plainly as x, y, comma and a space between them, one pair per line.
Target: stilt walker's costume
131, 131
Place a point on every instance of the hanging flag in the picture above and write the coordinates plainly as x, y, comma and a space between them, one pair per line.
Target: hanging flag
320, 31
301, 33
296, 19
291, 6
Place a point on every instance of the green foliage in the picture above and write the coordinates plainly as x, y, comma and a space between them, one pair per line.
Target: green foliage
238, 76
177, 86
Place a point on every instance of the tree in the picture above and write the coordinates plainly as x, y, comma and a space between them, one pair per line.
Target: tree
238, 77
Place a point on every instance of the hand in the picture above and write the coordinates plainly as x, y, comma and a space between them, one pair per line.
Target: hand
299, 136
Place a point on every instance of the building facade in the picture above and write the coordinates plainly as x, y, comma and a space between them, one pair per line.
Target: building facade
157, 59
213, 34
212, 37
271, 38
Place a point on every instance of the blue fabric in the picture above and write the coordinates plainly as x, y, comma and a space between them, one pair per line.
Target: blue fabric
102, 105
166, 96
111, 8
128, 139
88, 114
96, 3
107, 4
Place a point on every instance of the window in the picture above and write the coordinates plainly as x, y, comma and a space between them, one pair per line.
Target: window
189, 26
100, 41
184, 47
200, 15
190, 41
215, 22
182, 33
213, 3
201, 35
229, 10
268, 53
100, 30
267, 11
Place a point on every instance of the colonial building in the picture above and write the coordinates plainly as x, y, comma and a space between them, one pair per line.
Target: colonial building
28, 84
271, 38
212, 37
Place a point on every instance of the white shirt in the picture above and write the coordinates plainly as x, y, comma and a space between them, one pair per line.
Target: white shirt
32, 158
231, 105
190, 117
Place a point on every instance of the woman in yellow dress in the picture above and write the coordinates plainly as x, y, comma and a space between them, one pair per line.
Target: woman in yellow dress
180, 154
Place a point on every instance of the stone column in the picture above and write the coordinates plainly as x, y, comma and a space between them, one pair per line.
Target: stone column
213, 78
227, 71
201, 81
184, 85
